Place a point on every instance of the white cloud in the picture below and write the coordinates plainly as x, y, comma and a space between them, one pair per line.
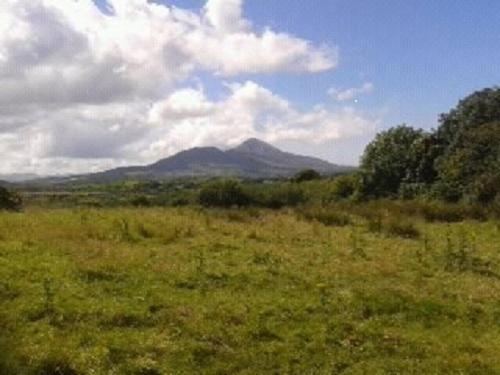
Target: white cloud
93, 137
226, 15
249, 110
83, 90
69, 51
352, 93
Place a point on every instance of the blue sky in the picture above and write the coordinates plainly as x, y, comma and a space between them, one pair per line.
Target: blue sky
421, 55
88, 89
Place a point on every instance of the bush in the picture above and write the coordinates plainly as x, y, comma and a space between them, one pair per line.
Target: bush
485, 188
452, 213
9, 200
325, 216
344, 187
306, 175
140, 201
412, 190
283, 195
224, 193
402, 228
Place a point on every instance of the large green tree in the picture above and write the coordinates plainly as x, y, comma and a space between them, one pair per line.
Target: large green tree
470, 166
469, 138
461, 159
481, 107
400, 155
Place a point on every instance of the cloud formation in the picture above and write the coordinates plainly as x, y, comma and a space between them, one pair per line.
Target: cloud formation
352, 93
249, 110
86, 90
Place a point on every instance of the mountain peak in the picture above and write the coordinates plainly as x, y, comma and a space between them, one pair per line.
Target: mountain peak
256, 146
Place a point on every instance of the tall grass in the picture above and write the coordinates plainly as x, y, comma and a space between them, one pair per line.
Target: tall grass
318, 289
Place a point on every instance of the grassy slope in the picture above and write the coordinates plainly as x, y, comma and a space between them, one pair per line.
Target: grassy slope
182, 291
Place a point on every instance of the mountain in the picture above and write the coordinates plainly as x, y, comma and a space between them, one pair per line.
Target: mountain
18, 177
278, 161
252, 159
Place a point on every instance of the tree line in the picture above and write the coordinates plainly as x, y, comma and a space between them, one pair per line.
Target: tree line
460, 160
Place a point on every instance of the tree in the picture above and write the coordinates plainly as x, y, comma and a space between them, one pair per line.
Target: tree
481, 107
400, 155
471, 165
9, 200
282, 195
306, 175
469, 138
224, 193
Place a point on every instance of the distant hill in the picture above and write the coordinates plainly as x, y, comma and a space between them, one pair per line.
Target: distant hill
18, 177
252, 159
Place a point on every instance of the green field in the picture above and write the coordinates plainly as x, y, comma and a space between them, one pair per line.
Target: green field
195, 291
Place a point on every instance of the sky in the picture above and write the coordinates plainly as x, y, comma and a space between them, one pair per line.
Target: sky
90, 85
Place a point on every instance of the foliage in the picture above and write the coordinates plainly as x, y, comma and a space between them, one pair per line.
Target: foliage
9, 200
328, 216
306, 175
140, 201
479, 108
402, 228
280, 195
224, 193
412, 190
471, 163
344, 187
460, 160
396, 156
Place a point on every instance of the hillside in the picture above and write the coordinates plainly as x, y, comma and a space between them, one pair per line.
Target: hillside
251, 159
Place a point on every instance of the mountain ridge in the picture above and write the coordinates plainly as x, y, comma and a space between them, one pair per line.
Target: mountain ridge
251, 159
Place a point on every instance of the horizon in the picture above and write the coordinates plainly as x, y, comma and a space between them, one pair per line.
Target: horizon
94, 85
27, 177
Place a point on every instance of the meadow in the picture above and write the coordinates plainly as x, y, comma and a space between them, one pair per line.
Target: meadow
375, 288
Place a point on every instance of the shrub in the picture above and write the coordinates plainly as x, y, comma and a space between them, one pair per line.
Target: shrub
306, 175
224, 193
402, 228
344, 187
485, 188
284, 195
392, 224
325, 216
448, 213
140, 201
447, 191
9, 200
412, 190
375, 224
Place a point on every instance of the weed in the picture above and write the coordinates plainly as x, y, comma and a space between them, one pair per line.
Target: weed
252, 235
200, 261
460, 257
221, 302
54, 366
375, 224
143, 231
48, 297
355, 245
124, 232
325, 216
402, 228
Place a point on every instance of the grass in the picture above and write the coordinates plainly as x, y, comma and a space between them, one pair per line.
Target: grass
188, 291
